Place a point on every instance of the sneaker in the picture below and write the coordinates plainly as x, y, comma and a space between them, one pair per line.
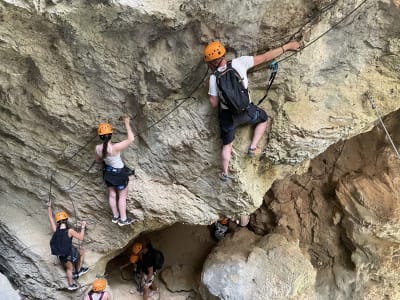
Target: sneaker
115, 220
82, 271
251, 152
125, 222
72, 287
223, 177
75, 276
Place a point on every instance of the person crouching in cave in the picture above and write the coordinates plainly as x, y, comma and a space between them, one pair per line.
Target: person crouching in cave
98, 291
220, 228
61, 246
134, 260
151, 261
115, 175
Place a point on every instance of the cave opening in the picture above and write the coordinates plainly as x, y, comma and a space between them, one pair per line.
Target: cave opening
185, 248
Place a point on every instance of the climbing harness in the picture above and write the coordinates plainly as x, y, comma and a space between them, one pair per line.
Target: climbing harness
374, 107
274, 70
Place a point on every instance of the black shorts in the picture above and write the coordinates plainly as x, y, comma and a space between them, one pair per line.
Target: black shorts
228, 122
73, 257
117, 178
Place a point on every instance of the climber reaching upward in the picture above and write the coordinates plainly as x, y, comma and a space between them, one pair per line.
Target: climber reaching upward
115, 175
61, 246
228, 91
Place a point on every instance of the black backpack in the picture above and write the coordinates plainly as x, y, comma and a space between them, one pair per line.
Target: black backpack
60, 243
233, 93
158, 259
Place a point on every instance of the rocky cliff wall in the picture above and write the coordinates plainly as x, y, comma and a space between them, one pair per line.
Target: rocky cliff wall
66, 66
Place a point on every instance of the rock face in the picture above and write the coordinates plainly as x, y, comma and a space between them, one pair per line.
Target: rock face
248, 267
66, 66
344, 211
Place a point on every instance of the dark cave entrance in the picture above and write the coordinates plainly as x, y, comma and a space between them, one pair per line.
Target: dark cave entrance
185, 248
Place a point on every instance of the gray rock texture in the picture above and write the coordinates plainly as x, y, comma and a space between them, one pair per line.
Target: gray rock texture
66, 66
244, 266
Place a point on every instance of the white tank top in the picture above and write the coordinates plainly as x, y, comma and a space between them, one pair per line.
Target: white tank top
112, 161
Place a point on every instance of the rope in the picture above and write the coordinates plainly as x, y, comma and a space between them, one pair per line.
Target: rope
65, 160
326, 32
274, 70
383, 125
183, 101
79, 180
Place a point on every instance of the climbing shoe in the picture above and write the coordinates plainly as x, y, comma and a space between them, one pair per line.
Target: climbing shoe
251, 152
72, 287
223, 177
83, 270
125, 222
115, 220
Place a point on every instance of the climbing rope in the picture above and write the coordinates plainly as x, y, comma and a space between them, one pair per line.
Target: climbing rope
327, 31
274, 70
374, 107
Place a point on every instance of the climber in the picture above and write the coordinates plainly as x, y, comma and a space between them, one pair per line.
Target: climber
220, 228
151, 261
98, 291
240, 111
116, 177
61, 246
134, 260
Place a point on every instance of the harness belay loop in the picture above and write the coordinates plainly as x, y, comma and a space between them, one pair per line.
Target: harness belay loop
274, 70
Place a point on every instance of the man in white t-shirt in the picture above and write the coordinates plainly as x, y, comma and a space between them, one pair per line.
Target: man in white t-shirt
214, 56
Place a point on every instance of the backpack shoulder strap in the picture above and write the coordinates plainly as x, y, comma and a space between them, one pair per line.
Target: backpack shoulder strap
101, 295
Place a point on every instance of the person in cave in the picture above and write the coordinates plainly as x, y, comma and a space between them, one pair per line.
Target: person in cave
115, 175
214, 56
220, 229
61, 246
134, 260
151, 261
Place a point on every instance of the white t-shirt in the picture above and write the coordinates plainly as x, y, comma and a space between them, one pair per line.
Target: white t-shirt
241, 65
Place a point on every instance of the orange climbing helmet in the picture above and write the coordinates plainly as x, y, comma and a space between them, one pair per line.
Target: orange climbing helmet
99, 285
134, 258
137, 247
224, 221
213, 51
104, 128
60, 216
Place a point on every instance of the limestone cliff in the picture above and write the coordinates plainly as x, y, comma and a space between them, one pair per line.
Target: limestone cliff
66, 66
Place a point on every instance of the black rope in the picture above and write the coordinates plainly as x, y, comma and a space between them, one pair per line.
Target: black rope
326, 32
65, 160
274, 70
51, 183
79, 180
182, 102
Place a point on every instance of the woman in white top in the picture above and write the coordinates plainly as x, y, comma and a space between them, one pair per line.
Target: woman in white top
115, 176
